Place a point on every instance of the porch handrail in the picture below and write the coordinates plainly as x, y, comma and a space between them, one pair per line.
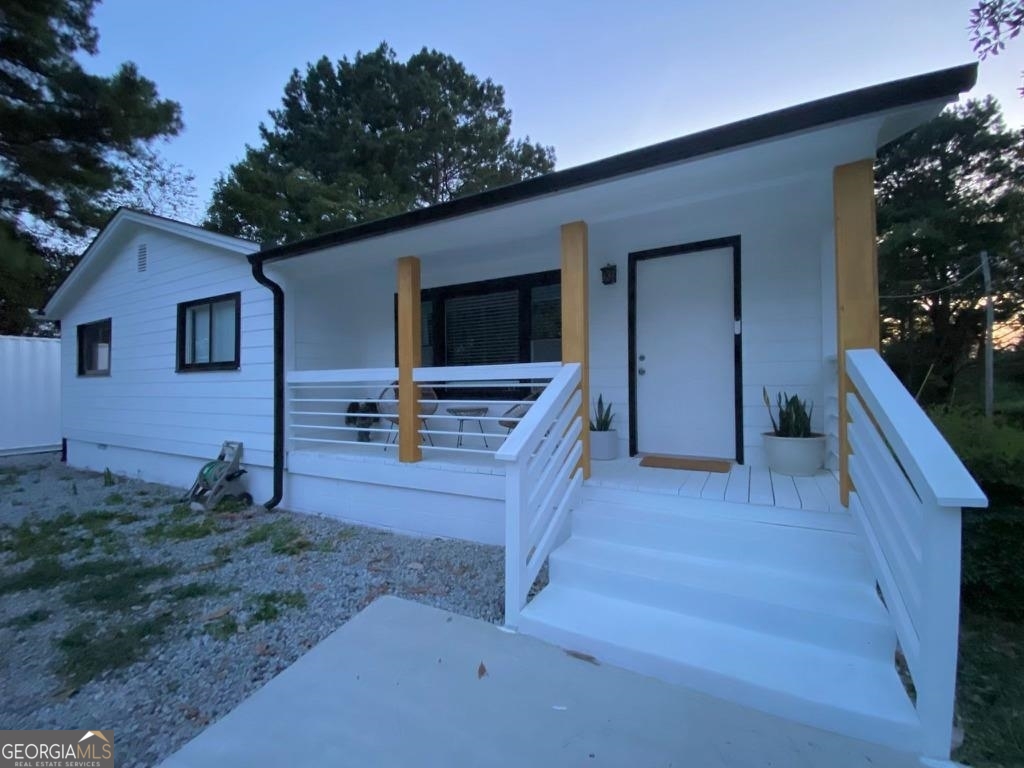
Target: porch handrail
542, 481
909, 488
486, 372
341, 376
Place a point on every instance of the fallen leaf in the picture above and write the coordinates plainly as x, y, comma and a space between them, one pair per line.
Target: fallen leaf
583, 657
66, 694
481, 671
262, 649
415, 566
218, 614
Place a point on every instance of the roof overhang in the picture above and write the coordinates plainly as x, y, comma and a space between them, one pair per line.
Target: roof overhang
123, 225
879, 114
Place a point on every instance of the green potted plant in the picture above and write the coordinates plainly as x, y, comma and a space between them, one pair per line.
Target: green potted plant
791, 447
604, 441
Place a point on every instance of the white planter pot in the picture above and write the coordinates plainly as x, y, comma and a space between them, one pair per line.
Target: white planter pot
604, 446
795, 455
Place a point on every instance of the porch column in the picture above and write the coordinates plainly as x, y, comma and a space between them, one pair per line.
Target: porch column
575, 319
857, 322
409, 357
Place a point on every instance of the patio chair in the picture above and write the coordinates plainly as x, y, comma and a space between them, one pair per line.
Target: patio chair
510, 418
387, 407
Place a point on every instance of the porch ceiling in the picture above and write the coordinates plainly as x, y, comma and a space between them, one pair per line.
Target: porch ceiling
720, 174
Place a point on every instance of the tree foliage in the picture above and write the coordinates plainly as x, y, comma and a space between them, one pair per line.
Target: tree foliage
67, 137
370, 137
947, 192
993, 22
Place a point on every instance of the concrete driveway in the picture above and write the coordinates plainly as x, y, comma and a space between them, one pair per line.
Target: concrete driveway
404, 684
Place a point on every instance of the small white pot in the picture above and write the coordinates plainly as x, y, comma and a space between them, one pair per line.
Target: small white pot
604, 446
794, 455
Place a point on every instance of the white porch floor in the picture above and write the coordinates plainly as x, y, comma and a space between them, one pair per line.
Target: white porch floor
743, 484
404, 684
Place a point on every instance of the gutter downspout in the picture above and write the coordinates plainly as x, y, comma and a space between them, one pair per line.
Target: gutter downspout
278, 292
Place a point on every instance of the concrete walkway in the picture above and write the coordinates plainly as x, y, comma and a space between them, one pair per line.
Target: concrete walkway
403, 684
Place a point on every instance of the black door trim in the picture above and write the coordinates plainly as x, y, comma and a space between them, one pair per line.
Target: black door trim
675, 250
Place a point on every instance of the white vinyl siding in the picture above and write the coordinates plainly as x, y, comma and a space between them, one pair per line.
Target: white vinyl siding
145, 404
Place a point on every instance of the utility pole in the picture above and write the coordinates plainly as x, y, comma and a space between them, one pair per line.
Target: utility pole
989, 322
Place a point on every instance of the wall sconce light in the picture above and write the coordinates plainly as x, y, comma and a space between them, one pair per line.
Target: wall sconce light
609, 274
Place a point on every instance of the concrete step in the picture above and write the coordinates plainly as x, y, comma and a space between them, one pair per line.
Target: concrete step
783, 547
841, 615
825, 688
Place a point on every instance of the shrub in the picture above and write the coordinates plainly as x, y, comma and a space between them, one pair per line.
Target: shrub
992, 451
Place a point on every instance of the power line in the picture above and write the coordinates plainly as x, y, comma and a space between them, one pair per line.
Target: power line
921, 295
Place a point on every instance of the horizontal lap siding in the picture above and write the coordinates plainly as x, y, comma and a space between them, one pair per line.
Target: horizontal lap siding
145, 405
781, 234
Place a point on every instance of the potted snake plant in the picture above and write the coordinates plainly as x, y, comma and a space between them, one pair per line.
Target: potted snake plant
604, 441
791, 447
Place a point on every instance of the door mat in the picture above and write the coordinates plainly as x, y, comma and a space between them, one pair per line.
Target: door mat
678, 462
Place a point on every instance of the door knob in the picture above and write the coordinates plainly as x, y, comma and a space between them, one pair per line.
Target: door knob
642, 358
642, 371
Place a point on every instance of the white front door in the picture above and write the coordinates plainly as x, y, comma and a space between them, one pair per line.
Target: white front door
685, 354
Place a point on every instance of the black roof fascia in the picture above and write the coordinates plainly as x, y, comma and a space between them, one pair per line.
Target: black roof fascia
943, 83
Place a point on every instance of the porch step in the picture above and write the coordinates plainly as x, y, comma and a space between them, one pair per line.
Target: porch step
772, 608
688, 530
824, 688
843, 615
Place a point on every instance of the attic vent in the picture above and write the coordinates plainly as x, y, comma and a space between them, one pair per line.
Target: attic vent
142, 260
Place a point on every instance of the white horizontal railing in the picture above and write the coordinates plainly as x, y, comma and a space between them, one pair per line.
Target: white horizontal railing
320, 405
542, 481
909, 490
463, 409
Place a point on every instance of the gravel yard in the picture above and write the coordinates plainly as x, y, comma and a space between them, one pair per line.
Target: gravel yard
120, 608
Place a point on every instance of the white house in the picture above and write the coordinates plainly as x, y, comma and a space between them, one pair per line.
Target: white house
677, 281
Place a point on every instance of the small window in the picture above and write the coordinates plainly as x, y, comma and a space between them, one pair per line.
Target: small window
94, 348
208, 333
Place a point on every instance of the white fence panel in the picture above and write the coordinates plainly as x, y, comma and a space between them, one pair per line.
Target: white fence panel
29, 395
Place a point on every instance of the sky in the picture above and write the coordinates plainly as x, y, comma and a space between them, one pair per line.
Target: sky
592, 78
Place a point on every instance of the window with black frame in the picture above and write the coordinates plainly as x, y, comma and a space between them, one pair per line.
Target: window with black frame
94, 348
209, 333
493, 322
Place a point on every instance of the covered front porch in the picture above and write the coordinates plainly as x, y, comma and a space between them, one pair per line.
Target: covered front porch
448, 393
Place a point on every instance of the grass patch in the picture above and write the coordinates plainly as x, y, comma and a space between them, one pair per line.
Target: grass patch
34, 538
44, 573
118, 591
114, 499
284, 537
37, 538
108, 478
222, 628
48, 572
11, 475
89, 649
30, 619
182, 524
196, 589
227, 505
221, 554
990, 678
267, 606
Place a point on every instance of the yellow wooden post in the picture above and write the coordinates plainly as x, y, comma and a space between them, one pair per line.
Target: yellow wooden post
857, 322
575, 318
409, 357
